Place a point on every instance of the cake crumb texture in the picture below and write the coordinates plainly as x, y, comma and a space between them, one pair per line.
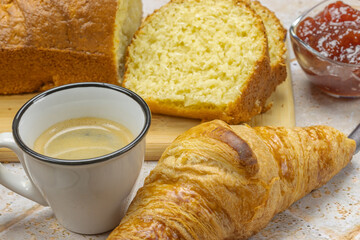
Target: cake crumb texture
202, 59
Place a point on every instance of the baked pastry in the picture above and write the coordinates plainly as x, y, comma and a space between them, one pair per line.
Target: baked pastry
201, 59
276, 34
221, 182
51, 43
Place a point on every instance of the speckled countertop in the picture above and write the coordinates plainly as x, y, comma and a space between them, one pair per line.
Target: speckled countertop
331, 212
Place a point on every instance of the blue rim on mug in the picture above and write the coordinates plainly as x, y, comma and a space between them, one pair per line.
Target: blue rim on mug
131, 94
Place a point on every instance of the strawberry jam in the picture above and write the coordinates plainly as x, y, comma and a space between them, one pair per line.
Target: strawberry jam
334, 32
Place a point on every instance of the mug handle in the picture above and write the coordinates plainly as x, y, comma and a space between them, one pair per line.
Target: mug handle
17, 183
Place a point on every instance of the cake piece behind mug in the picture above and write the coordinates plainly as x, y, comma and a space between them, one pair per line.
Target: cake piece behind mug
44, 44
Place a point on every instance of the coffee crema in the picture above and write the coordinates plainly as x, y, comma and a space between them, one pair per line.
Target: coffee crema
82, 138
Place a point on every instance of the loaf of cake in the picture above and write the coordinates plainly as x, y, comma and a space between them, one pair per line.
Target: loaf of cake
50, 43
204, 59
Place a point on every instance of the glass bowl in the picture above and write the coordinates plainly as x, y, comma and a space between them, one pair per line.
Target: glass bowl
332, 77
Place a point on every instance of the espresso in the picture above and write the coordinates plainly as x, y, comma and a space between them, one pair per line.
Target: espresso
82, 138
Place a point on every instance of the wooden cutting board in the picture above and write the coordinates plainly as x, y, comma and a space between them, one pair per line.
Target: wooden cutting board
164, 129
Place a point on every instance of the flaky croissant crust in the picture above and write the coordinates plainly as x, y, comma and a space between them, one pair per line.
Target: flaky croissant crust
222, 182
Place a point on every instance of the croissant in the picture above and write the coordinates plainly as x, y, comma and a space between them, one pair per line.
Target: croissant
217, 181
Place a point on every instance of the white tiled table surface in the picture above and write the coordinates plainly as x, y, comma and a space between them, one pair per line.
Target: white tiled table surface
331, 212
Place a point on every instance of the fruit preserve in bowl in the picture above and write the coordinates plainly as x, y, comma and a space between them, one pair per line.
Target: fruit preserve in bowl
326, 43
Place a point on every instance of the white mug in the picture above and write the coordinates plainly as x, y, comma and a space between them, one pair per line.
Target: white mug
87, 196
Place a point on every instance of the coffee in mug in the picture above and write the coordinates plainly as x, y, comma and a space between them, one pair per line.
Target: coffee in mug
82, 138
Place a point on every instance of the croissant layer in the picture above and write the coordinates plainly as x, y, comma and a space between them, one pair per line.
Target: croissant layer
221, 182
